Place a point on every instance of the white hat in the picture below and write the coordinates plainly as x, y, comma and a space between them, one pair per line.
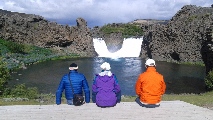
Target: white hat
105, 66
150, 62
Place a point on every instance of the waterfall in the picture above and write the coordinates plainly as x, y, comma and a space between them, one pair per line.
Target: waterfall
131, 48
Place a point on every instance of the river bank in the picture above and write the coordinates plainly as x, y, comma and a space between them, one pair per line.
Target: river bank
31, 55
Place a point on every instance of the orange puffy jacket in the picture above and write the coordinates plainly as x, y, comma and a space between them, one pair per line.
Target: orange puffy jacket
150, 86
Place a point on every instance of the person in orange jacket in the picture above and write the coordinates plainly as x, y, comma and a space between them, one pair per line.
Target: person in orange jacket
150, 86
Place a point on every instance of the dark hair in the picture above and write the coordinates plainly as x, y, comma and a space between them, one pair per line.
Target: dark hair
152, 64
73, 65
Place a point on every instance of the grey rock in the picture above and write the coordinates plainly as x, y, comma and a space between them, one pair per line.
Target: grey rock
35, 30
187, 37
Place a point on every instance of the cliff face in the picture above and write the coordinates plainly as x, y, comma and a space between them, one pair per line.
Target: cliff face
113, 41
184, 39
35, 30
207, 49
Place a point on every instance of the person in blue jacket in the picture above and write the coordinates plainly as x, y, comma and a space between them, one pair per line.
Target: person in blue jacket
78, 82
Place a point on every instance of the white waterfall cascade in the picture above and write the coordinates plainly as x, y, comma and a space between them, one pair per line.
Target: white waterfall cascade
131, 48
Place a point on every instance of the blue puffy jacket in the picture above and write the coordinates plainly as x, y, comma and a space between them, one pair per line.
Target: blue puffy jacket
78, 82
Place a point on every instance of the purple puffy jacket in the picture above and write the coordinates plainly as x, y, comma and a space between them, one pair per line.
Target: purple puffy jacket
105, 87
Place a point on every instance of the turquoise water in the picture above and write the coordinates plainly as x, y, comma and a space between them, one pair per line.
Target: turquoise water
46, 76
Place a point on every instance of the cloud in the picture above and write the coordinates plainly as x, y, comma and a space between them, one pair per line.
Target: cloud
100, 12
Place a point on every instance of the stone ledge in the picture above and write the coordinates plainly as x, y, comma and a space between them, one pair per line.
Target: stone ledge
169, 110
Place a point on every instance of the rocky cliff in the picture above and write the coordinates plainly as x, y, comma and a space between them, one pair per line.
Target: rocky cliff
35, 30
207, 49
187, 37
113, 41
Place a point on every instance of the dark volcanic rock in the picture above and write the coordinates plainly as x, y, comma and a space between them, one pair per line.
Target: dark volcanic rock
182, 38
207, 49
35, 30
114, 41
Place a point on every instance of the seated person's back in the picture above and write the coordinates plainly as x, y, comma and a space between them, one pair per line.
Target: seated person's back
105, 88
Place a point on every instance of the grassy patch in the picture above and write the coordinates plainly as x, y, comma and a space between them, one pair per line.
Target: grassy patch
202, 100
18, 55
127, 30
125, 98
193, 63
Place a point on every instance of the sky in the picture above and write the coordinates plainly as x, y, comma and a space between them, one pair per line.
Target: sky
100, 12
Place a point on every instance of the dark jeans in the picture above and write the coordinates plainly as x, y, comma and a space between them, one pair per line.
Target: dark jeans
137, 100
118, 95
69, 102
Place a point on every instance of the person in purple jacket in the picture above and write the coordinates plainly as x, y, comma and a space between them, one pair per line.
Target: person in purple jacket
106, 91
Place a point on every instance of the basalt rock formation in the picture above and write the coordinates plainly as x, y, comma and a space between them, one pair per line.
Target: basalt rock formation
186, 38
113, 41
207, 49
35, 30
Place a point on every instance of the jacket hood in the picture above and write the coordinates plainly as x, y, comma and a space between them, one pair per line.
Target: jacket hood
105, 76
105, 72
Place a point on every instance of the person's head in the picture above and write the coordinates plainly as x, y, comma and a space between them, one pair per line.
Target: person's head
105, 66
73, 66
150, 63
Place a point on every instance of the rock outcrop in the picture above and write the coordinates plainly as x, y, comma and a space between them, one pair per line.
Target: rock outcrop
183, 39
114, 41
207, 49
35, 30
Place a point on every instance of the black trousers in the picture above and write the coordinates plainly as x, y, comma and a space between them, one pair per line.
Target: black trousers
137, 100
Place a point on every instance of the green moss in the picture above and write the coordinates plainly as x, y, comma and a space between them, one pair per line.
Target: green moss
4, 76
209, 80
207, 14
192, 18
127, 30
18, 55
11, 47
193, 63
22, 91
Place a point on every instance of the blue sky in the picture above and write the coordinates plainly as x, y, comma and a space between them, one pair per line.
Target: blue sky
100, 12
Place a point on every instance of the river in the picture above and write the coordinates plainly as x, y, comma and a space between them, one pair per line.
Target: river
179, 78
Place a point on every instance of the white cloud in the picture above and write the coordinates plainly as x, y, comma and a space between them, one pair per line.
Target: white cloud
99, 12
